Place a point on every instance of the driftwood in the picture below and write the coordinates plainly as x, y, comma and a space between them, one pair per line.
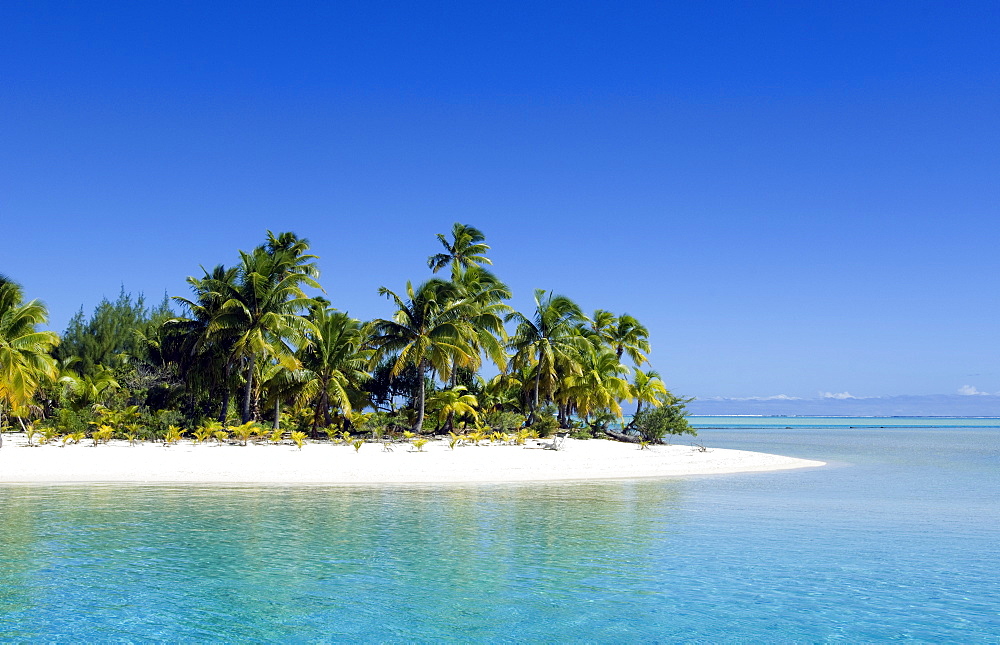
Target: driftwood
627, 438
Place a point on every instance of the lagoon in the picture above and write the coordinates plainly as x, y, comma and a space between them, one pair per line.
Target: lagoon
895, 539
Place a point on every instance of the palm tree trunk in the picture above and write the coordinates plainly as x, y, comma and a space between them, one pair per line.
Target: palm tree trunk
277, 413
247, 393
420, 408
225, 406
538, 378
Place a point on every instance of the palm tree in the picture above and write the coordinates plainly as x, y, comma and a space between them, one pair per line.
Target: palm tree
599, 385
335, 364
628, 336
430, 330
546, 339
25, 358
452, 402
647, 387
483, 295
261, 314
202, 355
464, 251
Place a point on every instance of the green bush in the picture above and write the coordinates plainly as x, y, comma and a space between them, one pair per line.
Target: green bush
654, 424
545, 421
503, 421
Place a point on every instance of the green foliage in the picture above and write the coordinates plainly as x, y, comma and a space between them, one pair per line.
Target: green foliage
244, 431
655, 424
109, 336
276, 436
357, 443
503, 421
103, 434
545, 421
419, 444
48, 434
299, 438
172, 435
453, 440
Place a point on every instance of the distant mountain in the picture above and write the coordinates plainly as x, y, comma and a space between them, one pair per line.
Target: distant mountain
943, 405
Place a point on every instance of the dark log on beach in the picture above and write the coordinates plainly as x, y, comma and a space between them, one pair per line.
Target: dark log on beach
628, 438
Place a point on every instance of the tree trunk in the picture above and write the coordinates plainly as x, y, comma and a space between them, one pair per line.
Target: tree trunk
225, 406
247, 394
277, 413
420, 407
638, 408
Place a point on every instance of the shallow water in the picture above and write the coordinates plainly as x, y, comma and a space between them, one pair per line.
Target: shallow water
896, 539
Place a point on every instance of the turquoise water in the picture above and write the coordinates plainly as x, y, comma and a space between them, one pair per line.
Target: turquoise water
896, 540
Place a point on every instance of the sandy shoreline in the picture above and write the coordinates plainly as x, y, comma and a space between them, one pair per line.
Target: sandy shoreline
323, 463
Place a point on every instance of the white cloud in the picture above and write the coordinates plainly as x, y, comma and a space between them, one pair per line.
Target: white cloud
970, 390
837, 395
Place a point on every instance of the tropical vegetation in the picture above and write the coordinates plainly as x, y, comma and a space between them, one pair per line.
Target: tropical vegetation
256, 351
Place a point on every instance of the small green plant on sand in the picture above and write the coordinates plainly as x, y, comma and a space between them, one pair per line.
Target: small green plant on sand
49, 434
202, 434
643, 444
454, 440
30, 431
357, 443
476, 437
132, 436
408, 435
299, 438
245, 431
499, 437
102, 434
220, 436
419, 444
276, 436
345, 437
332, 433
173, 435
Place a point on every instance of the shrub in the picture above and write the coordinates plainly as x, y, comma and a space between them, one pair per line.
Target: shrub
503, 421
654, 424
545, 421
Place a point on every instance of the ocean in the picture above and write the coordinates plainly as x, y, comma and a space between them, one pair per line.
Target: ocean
898, 538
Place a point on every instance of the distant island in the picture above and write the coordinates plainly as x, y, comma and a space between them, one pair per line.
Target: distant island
943, 405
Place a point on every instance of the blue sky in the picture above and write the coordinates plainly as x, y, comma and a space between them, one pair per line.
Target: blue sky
795, 200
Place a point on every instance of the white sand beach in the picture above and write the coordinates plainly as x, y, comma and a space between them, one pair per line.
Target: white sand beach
323, 463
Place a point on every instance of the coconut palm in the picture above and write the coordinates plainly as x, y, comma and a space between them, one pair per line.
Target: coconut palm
262, 315
202, 355
464, 251
647, 387
484, 295
628, 336
546, 340
452, 402
600, 383
25, 359
430, 331
335, 364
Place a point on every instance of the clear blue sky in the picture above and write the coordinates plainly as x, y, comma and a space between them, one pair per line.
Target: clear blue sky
795, 199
